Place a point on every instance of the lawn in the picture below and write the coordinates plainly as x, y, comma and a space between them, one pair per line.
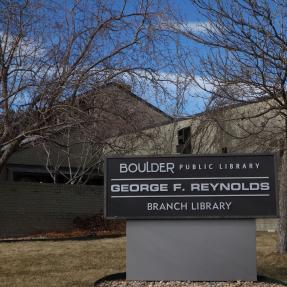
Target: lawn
269, 262
60, 263
81, 263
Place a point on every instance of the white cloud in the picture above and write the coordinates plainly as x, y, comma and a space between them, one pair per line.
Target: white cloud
196, 27
173, 92
25, 48
191, 26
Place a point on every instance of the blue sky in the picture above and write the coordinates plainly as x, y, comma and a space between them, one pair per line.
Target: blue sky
194, 98
191, 104
191, 101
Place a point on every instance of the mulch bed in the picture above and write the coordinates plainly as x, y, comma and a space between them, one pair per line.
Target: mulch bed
88, 227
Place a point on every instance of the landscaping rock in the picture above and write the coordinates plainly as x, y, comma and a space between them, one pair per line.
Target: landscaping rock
125, 283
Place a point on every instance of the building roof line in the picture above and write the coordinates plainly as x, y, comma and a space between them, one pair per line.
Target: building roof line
225, 107
128, 89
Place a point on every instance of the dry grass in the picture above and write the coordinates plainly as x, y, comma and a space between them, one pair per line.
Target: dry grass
61, 263
269, 262
81, 263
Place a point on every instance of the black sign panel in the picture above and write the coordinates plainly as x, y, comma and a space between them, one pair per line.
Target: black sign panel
191, 187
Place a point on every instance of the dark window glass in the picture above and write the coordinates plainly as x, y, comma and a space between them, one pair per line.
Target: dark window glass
32, 177
184, 141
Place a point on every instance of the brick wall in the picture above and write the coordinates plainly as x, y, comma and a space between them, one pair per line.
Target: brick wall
29, 208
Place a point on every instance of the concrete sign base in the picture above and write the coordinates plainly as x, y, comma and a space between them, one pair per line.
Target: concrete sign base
195, 250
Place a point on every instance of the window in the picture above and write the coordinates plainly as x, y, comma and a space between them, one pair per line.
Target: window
184, 141
32, 177
224, 150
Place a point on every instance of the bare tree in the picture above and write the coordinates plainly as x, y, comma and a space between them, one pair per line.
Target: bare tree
53, 54
245, 61
76, 153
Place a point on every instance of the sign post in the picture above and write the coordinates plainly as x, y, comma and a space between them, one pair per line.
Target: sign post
191, 217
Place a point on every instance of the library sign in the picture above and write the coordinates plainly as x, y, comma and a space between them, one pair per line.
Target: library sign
228, 186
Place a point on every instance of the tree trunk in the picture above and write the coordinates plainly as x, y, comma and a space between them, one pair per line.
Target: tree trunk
282, 225
9, 150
